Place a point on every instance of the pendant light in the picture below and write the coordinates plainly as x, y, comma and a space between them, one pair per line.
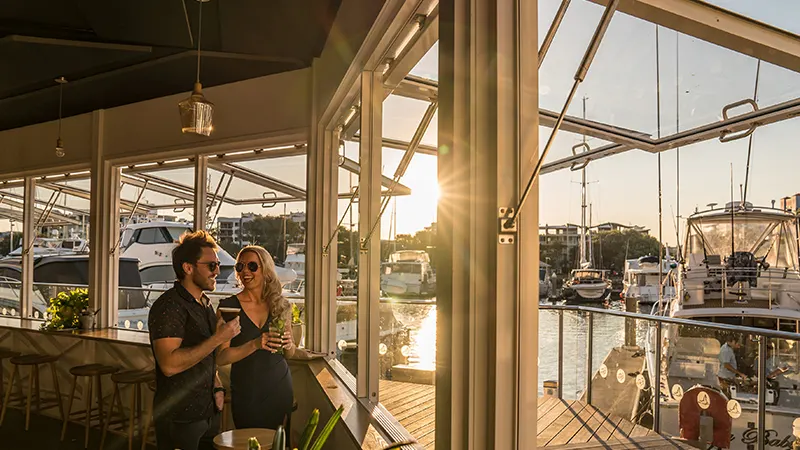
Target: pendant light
59, 143
197, 113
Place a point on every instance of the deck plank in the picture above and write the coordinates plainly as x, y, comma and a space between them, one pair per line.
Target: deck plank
561, 424
578, 423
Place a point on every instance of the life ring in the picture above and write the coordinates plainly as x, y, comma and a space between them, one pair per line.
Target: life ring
715, 405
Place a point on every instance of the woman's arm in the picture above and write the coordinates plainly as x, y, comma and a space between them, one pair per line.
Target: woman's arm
229, 355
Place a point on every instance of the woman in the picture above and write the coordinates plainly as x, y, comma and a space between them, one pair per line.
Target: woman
261, 384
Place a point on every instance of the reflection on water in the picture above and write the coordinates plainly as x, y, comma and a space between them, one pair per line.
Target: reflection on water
408, 331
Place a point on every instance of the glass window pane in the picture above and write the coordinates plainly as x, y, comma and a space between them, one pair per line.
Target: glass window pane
778, 13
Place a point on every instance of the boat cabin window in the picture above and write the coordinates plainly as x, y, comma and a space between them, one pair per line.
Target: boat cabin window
765, 236
8, 274
402, 268
151, 236
176, 232
157, 274
588, 274
766, 323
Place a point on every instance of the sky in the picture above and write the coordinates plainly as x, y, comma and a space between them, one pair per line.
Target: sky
696, 79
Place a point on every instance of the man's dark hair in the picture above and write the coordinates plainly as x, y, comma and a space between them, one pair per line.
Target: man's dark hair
190, 249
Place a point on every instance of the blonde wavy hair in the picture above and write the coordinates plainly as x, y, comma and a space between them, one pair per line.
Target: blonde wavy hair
272, 292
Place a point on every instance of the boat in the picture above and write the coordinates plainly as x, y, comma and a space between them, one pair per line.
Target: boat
56, 273
44, 246
408, 273
587, 285
641, 279
546, 277
740, 268
152, 244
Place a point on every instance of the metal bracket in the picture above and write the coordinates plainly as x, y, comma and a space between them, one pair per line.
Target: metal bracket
727, 135
266, 196
506, 229
575, 166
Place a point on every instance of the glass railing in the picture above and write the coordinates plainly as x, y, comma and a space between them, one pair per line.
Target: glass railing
9, 297
700, 381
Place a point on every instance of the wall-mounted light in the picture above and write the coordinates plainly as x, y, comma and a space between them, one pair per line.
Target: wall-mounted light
60, 152
197, 113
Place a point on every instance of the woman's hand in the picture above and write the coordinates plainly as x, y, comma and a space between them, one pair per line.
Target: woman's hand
288, 342
271, 341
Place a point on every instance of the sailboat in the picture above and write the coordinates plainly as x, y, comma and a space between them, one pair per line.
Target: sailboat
586, 284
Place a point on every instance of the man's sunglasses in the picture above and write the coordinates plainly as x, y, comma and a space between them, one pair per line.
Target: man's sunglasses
252, 266
212, 265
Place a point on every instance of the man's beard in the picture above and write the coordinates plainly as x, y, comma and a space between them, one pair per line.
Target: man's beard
203, 282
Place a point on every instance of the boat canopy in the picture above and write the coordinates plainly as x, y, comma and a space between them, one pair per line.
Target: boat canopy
767, 235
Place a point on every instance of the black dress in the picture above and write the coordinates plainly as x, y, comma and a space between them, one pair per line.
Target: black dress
261, 384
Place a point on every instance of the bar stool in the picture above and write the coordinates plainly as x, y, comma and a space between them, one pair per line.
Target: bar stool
134, 378
148, 414
34, 361
5, 354
91, 372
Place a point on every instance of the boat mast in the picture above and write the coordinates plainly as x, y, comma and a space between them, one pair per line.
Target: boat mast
583, 202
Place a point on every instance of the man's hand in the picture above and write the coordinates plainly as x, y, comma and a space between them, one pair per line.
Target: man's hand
228, 330
219, 399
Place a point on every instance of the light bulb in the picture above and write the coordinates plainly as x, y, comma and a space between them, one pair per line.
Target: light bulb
60, 148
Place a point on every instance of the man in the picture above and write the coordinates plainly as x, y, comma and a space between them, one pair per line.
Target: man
184, 334
728, 369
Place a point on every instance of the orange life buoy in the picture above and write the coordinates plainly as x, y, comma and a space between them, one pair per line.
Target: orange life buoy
716, 406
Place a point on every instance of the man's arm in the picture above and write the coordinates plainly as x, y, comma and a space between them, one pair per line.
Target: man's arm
172, 359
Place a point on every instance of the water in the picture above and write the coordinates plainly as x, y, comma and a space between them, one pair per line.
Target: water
609, 332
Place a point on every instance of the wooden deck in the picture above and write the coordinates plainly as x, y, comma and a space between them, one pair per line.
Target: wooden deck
562, 424
414, 406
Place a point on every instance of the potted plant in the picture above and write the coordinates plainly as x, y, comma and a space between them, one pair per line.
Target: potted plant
297, 325
65, 310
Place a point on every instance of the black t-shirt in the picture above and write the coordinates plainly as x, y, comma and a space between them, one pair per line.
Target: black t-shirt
187, 396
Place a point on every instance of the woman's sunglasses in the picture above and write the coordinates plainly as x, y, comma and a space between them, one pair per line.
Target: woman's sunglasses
252, 266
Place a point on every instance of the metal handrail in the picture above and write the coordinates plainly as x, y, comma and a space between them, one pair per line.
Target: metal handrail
676, 321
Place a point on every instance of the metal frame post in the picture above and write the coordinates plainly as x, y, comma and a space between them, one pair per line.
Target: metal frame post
560, 354
657, 385
487, 302
28, 235
329, 188
200, 192
589, 350
762, 390
104, 205
369, 205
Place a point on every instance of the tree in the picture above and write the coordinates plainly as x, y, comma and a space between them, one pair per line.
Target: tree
266, 231
611, 248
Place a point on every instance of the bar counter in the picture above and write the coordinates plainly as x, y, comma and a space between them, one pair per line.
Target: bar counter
124, 349
115, 335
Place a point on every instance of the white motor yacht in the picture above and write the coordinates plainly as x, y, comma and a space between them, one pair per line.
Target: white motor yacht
740, 268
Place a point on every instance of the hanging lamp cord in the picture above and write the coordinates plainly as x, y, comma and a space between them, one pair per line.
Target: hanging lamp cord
199, 36
60, 103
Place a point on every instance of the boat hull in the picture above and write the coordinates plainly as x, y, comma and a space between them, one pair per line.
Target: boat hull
587, 293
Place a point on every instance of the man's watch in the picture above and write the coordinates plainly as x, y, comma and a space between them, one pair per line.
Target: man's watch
219, 389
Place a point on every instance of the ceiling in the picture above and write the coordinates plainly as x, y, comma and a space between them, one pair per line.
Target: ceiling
114, 52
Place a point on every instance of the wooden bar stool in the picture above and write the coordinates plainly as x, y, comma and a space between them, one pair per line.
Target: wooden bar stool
34, 361
148, 414
92, 373
5, 354
134, 378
